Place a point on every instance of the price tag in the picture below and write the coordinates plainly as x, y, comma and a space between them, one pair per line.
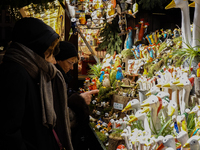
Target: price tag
117, 106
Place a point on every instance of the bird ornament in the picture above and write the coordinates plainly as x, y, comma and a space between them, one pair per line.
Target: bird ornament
87, 84
117, 62
136, 33
106, 80
121, 147
101, 75
192, 143
154, 90
169, 142
141, 32
128, 41
196, 23
183, 138
119, 75
185, 23
155, 104
186, 86
134, 104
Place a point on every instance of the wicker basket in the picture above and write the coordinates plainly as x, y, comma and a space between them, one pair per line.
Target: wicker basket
114, 142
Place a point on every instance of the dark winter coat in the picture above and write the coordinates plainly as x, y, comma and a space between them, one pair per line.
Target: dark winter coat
20, 109
83, 138
79, 116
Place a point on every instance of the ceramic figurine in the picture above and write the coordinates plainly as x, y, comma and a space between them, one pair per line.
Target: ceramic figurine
192, 143
119, 75
106, 80
172, 108
155, 104
82, 19
121, 147
117, 62
196, 23
101, 76
87, 84
174, 89
183, 137
141, 32
134, 104
136, 33
187, 86
139, 115
129, 42
181, 120
185, 24
154, 90
168, 141
165, 102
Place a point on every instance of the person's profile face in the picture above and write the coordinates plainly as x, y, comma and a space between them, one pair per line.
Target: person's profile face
50, 58
67, 64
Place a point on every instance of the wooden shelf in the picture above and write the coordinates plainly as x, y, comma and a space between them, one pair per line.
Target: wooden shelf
82, 77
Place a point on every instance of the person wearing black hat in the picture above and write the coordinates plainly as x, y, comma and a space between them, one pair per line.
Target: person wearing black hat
66, 59
33, 104
82, 136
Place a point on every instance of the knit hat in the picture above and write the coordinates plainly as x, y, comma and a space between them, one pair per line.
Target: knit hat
67, 50
34, 34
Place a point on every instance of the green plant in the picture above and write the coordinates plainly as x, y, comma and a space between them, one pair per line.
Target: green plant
105, 94
190, 123
126, 52
94, 70
116, 133
165, 130
186, 54
101, 136
111, 41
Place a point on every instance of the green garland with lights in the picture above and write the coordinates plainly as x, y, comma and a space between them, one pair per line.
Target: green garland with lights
111, 40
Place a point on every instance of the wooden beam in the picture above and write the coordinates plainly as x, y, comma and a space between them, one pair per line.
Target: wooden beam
88, 45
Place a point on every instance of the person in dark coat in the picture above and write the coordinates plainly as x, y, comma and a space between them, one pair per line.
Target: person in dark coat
82, 137
34, 115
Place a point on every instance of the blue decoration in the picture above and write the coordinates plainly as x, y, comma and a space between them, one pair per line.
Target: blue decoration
129, 42
99, 122
165, 35
119, 75
195, 132
134, 53
150, 50
137, 50
101, 76
149, 39
176, 127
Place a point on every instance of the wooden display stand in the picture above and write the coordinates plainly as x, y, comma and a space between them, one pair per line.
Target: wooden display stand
121, 101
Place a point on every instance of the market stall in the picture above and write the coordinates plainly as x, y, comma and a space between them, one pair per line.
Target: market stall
148, 92
148, 79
